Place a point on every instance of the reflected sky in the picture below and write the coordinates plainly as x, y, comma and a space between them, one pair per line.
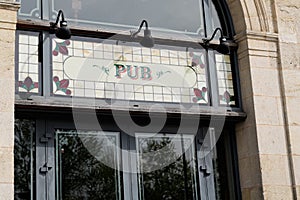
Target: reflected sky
179, 15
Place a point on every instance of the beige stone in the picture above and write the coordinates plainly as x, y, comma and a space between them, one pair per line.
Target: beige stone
277, 192
295, 139
293, 110
7, 191
7, 97
267, 110
264, 62
296, 162
6, 169
8, 15
275, 170
7, 138
271, 140
292, 83
265, 82
290, 56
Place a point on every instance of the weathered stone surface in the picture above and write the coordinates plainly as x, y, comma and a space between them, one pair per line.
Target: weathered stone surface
7, 165
271, 140
6, 191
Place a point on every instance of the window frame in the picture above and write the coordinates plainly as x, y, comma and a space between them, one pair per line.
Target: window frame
212, 80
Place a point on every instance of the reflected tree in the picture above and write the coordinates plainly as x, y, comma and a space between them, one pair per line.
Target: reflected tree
83, 176
174, 181
23, 146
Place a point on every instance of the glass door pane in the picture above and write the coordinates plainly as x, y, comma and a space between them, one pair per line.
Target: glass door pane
87, 165
167, 167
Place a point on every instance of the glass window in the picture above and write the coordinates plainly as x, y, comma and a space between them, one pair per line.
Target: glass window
104, 69
178, 69
82, 174
167, 167
28, 65
24, 159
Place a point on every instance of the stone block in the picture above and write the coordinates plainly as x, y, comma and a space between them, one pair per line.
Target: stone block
277, 192
264, 62
268, 110
265, 82
250, 173
7, 15
6, 191
295, 139
296, 162
289, 57
293, 110
246, 84
7, 137
6, 165
275, 170
262, 45
7, 129
253, 193
7, 96
271, 139
246, 142
292, 82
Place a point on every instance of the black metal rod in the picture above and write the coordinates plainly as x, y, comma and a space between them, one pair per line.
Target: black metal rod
139, 30
60, 12
214, 34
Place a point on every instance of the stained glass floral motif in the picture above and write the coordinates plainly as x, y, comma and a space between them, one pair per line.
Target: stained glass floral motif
28, 84
226, 97
225, 80
197, 60
200, 95
61, 47
62, 85
28, 64
145, 74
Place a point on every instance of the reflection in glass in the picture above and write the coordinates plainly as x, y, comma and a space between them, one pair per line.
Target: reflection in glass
23, 159
174, 171
81, 171
30, 9
168, 14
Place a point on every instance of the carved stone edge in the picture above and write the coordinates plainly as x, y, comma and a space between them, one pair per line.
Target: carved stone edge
9, 5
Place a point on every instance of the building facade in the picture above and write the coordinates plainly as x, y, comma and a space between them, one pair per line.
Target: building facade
259, 135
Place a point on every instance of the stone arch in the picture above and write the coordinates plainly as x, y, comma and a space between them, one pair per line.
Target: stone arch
252, 15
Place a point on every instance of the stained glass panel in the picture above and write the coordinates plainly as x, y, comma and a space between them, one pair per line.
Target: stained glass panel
28, 63
105, 69
225, 81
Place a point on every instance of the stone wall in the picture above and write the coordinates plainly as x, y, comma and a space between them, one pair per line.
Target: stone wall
268, 37
8, 13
